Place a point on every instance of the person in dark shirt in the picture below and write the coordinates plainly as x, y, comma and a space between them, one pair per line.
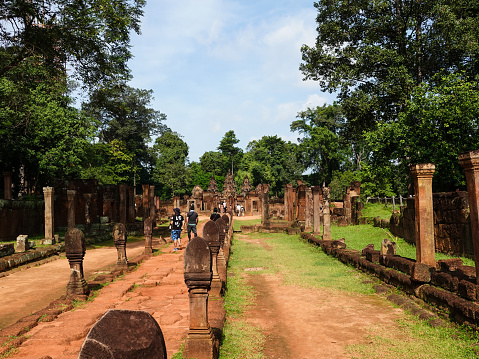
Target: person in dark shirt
176, 225
215, 215
192, 221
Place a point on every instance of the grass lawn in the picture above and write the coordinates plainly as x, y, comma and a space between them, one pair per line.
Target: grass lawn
412, 339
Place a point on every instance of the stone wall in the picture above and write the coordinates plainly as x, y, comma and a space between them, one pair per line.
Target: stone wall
20, 217
452, 229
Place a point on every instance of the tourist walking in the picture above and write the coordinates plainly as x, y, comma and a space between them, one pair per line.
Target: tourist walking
192, 221
238, 209
176, 224
215, 215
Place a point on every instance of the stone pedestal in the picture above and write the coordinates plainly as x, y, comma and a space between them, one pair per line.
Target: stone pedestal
211, 235
470, 162
424, 234
48, 194
326, 215
200, 342
307, 210
119, 237
71, 208
7, 184
147, 230
75, 248
316, 191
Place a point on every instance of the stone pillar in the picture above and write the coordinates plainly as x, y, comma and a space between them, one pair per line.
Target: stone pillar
119, 237
48, 194
131, 205
88, 197
288, 205
71, 208
152, 206
200, 342
424, 234
347, 206
7, 184
265, 220
146, 201
123, 203
326, 215
75, 248
307, 210
211, 235
470, 162
147, 230
316, 210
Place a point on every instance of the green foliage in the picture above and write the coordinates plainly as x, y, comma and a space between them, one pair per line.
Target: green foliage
339, 182
228, 148
92, 35
271, 160
171, 154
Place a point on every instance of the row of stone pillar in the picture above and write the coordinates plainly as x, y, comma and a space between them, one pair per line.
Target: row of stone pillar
205, 265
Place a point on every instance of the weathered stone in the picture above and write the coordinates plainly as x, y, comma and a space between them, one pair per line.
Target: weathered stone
388, 248
372, 256
369, 247
467, 290
75, 248
22, 244
48, 193
124, 334
71, 208
421, 273
326, 215
425, 247
147, 230
470, 162
211, 235
450, 265
119, 237
200, 342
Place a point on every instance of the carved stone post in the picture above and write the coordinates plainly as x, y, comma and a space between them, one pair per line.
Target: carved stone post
75, 248
470, 162
265, 220
200, 342
211, 235
146, 201
326, 215
316, 210
288, 202
71, 208
347, 206
425, 246
307, 210
152, 206
223, 230
7, 184
226, 244
123, 203
147, 230
48, 193
119, 237
88, 197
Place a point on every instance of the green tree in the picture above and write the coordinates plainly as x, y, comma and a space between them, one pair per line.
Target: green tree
322, 148
213, 162
170, 170
40, 129
440, 122
92, 36
271, 160
228, 148
123, 113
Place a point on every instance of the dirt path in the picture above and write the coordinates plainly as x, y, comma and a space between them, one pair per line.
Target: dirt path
313, 323
32, 289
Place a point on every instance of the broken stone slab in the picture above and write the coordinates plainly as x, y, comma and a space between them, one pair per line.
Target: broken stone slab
421, 273
388, 248
124, 334
22, 244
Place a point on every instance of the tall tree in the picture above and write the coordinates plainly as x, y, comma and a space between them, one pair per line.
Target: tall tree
91, 36
271, 160
228, 147
170, 170
123, 113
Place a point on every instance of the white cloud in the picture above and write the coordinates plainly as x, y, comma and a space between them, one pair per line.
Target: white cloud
314, 101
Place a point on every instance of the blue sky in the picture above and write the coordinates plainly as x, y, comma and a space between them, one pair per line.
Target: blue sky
220, 65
